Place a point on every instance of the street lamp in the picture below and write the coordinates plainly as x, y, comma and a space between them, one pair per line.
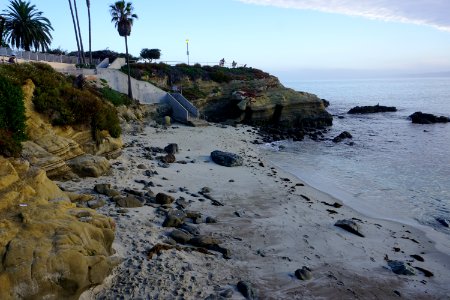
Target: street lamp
187, 49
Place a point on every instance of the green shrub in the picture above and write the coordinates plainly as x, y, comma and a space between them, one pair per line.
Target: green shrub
12, 118
116, 98
55, 97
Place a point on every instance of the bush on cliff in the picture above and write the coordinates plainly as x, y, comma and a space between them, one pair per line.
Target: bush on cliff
196, 72
62, 103
12, 118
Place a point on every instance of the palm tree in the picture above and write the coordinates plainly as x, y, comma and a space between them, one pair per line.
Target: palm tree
76, 32
25, 27
2, 25
123, 17
79, 32
88, 4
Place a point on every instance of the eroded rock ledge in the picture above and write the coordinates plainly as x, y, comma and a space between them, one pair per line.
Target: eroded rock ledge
49, 248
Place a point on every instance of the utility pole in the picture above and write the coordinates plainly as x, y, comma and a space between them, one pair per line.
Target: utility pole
187, 49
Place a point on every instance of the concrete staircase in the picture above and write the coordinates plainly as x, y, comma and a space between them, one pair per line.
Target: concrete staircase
184, 111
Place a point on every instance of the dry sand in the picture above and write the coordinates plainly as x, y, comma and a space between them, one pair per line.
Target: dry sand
269, 227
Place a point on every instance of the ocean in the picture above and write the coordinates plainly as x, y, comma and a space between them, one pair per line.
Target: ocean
395, 170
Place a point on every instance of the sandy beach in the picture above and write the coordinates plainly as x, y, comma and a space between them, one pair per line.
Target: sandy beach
270, 223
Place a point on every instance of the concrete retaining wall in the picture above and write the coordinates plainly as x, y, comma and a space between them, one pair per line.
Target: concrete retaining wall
143, 91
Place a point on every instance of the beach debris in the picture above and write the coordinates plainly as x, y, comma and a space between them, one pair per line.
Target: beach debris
350, 226
304, 273
371, 109
401, 268
418, 257
247, 290
443, 222
162, 198
227, 159
422, 118
425, 272
342, 136
335, 204
171, 148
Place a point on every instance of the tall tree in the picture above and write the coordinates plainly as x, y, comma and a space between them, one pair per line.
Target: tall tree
25, 27
76, 32
123, 17
83, 59
2, 26
88, 4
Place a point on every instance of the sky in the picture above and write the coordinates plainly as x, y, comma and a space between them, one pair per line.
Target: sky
292, 39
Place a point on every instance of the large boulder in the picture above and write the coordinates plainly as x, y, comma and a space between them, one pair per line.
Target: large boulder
422, 118
226, 159
89, 165
49, 248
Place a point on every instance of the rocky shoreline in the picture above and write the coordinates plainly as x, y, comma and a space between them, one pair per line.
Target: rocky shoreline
205, 231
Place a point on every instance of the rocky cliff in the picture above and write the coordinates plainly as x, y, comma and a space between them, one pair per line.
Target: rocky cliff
52, 147
239, 94
49, 249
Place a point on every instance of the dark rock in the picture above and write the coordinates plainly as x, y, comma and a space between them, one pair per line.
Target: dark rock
102, 188
96, 203
180, 236
168, 159
228, 293
226, 159
326, 103
163, 165
205, 190
247, 290
210, 220
129, 202
344, 135
204, 241
134, 192
172, 221
401, 268
443, 222
371, 109
141, 167
171, 149
162, 198
304, 273
422, 118
350, 226
190, 229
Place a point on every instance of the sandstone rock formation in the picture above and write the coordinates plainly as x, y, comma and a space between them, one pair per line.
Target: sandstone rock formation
49, 248
51, 147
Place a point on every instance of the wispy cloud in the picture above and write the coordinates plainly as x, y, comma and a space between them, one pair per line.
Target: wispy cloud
434, 13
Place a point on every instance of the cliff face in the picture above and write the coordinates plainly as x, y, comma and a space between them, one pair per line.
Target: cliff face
51, 147
49, 248
257, 101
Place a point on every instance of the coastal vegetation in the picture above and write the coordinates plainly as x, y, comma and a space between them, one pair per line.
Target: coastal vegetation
57, 99
150, 54
25, 27
12, 118
196, 72
123, 17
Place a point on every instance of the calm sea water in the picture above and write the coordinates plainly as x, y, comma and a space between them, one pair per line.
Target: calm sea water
395, 170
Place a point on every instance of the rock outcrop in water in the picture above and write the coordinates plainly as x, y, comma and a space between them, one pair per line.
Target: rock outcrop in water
49, 249
422, 118
371, 109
